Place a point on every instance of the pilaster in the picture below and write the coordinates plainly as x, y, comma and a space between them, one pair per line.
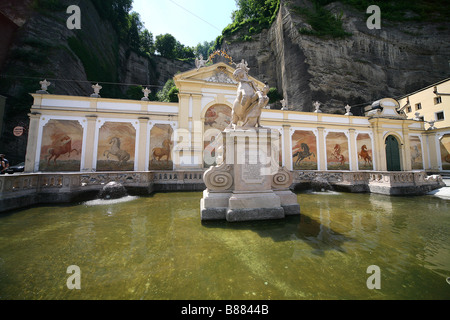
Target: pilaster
33, 133
90, 138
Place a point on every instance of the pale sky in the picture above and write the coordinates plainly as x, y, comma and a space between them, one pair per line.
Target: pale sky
201, 20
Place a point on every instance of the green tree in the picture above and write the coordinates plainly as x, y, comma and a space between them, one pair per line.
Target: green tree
134, 92
135, 30
169, 92
204, 49
274, 95
147, 45
165, 45
183, 52
252, 15
115, 11
260, 10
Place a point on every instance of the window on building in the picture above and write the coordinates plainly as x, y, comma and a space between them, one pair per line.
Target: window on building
418, 106
408, 109
440, 116
421, 118
437, 100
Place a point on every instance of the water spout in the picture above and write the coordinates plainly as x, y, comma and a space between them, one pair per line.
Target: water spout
113, 190
320, 183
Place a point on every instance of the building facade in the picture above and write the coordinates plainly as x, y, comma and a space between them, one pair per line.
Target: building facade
94, 134
430, 104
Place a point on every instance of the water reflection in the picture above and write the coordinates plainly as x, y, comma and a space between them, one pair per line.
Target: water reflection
317, 234
157, 248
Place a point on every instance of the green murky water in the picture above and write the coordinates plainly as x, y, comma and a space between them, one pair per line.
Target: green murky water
157, 248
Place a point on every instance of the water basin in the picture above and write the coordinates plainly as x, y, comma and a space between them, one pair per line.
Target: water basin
157, 248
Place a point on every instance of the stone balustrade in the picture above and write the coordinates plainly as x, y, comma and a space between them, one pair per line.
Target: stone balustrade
384, 182
20, 190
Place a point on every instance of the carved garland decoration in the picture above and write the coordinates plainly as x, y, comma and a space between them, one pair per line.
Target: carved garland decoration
221, 53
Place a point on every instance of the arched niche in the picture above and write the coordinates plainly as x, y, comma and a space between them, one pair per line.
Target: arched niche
215, 119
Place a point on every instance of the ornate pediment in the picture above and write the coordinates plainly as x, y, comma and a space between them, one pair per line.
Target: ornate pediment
216, 74
221, 76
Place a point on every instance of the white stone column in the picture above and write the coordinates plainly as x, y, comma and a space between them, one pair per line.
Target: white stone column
33, 133
142, 163
89, 142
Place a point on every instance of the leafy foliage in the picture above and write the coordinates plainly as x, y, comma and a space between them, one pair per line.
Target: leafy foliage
44, 5
322, 21
252, 16
165, 45
204, 49
117, 12
403, 10
147, 44
169, 92
274, 95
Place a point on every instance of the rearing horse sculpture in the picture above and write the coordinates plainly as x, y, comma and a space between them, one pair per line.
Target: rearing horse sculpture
249, 101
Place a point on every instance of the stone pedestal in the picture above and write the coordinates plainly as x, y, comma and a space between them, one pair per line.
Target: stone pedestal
248, 184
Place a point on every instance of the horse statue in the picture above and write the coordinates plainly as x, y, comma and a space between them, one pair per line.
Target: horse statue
158, 153
364, 155
253, 118
115, 150
249, 101
305, 153
60, 147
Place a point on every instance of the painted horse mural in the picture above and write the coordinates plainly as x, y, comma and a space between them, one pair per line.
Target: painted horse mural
364, 155
337, 154
159, 153
60, 147
303, 154
115, 150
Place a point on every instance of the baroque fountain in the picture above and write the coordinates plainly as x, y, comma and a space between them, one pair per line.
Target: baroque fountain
248, 183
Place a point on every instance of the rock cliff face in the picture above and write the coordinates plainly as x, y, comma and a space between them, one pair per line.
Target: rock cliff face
39, 45
44, 47
358, 69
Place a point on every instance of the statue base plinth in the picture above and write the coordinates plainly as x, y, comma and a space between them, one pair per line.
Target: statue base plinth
254, 206
249, 184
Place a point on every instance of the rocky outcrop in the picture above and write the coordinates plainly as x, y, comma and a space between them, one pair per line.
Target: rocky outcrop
44, 47
36, 44
366, 66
